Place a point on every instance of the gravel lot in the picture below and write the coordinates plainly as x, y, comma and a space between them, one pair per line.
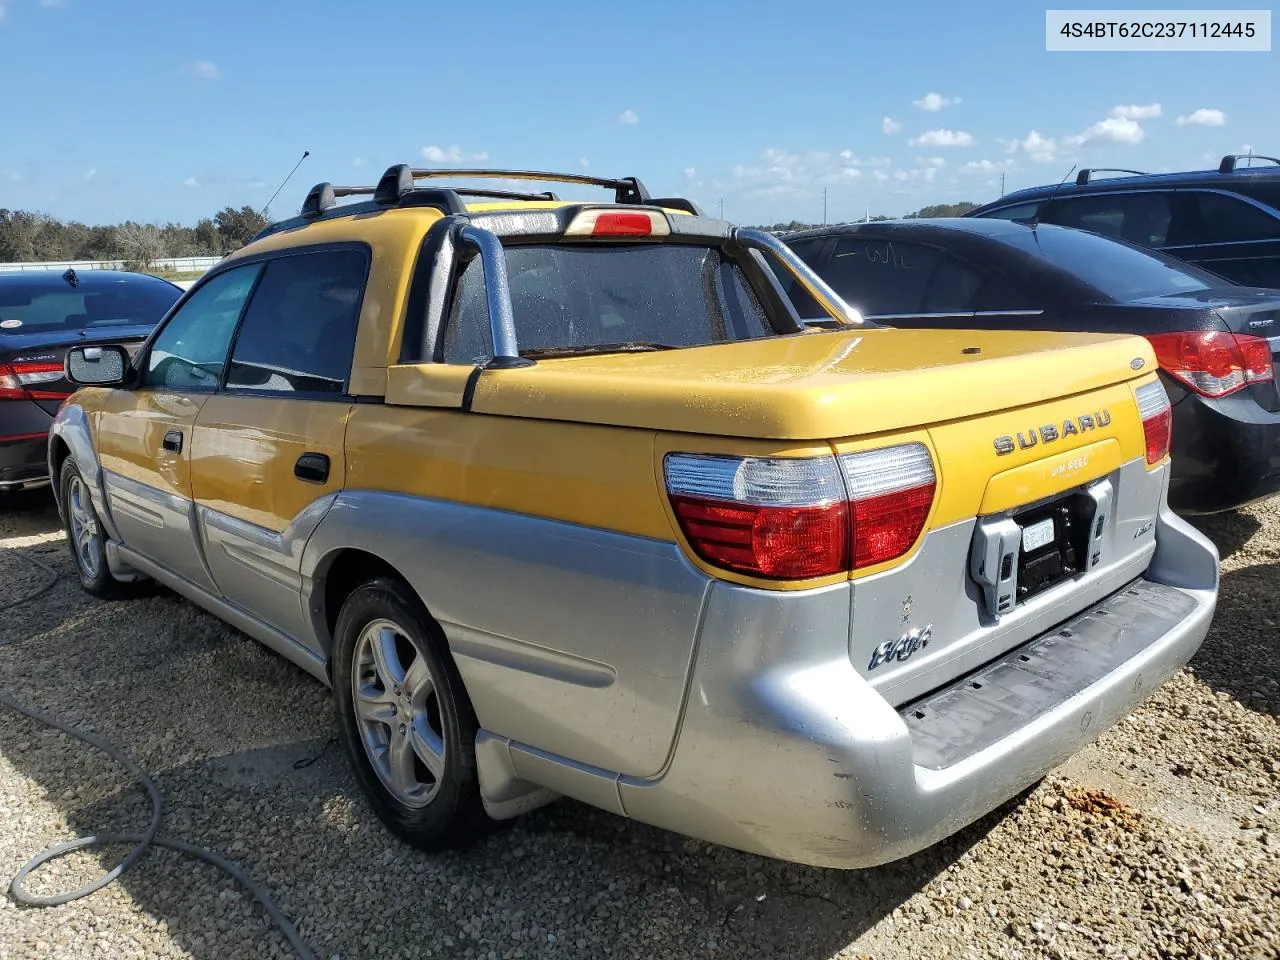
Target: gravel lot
1162, 840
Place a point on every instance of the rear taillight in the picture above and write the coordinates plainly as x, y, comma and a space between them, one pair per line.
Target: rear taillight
1213, 363
19, 381
1157, 419
792, 519
891, 491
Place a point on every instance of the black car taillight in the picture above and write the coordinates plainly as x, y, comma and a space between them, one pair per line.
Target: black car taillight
20, 380
1213, 363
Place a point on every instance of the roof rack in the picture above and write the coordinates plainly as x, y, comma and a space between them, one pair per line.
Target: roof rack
1086, 175
1231, 161
625, 189
398, 187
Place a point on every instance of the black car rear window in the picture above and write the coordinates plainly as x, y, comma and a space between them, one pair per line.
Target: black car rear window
36, 306
1117, 270
578, 297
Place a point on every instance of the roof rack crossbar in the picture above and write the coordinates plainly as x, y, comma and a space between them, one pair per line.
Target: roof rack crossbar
504, 194
1231, 161
1086, 175
626, 189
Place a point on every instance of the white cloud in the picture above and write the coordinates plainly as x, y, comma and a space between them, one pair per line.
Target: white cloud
256, 184
1, 10
1135, 112
358, 161
90, 174
1035, 145
53, 3
930, 162
452, 154
987, 166
890, 126
880, 175
1204, 117
584, 163
191, 182
779, 173
691, 173
206, 70
933, 102
881, 162
629, 117
942, 138
849, 157
1110, 130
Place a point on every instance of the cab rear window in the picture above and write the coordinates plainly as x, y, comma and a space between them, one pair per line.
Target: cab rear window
28, 307
580, 298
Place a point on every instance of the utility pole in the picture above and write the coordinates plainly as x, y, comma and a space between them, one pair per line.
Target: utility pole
722, 208
824, 206
1002, 184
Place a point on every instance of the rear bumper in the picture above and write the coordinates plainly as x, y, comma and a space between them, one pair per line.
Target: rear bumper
24, 430
1226, 454
808, 763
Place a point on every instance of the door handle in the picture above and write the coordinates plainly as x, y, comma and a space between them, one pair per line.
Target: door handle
173, 441
312, 467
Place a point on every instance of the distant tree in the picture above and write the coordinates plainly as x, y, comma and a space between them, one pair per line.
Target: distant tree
207, 238
942, 210
140, 244
238, 227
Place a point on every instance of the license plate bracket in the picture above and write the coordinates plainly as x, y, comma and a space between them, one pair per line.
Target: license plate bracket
1055, 542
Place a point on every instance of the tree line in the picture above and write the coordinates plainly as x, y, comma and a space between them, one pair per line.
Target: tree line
934, 210
26, 236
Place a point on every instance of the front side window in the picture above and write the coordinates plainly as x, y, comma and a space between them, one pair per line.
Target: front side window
581, 298
880, 277
1141, 218
299, 333
191, 351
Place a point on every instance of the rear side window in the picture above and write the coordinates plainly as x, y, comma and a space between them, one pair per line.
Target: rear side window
806, 307
190, 351
299, 333
1227, 219
27, 307
1119, 272
957, 287
1141, 218
880, 277
576, 297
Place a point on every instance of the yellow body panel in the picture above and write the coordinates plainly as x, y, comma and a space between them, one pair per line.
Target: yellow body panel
244, 452
815, 386
1050, 476
597, 476
131, 425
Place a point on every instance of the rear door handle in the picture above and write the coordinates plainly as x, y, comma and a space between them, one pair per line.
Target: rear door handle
312, 467
173, 441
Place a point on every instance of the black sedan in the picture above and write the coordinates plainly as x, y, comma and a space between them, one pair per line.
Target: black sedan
41, 315
1215, 341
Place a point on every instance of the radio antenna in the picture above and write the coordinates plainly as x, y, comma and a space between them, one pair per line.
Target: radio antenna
305, 154
1036, 219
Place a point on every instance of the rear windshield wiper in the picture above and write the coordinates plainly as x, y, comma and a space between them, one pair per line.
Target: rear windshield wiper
626, 346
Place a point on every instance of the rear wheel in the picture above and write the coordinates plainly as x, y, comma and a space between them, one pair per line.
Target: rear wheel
85, 537
404, 717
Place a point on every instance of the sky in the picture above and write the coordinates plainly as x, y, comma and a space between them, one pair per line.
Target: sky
150, 111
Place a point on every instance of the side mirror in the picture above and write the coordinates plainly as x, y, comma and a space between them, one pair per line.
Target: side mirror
97, 366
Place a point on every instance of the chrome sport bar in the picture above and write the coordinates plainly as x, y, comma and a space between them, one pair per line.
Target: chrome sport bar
817, 288
497, 290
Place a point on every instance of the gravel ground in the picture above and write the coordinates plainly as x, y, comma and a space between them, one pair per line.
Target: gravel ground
1161, 840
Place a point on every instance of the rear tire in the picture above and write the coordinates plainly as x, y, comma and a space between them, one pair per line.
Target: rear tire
405, 719
85, 536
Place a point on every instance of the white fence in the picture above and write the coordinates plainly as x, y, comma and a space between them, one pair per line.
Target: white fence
177, 264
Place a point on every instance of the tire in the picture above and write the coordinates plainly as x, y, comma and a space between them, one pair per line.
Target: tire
85, 537
413, 752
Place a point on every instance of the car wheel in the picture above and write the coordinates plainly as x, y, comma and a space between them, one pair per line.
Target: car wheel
85, 537
405, 719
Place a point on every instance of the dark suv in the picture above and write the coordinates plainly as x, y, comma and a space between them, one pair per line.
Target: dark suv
1225, 220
